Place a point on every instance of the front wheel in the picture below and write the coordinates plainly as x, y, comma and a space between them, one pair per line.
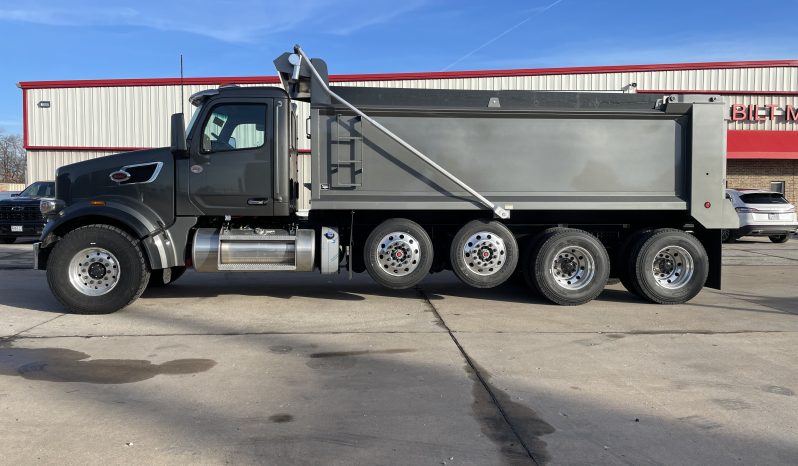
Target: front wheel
779, 238
97, 269
398, 253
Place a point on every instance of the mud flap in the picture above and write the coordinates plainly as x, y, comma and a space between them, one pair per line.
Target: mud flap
711, 240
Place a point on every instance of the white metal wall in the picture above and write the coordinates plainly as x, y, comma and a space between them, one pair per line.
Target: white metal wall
42, 163
138, 116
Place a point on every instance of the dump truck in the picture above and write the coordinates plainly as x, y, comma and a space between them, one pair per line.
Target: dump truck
562, 189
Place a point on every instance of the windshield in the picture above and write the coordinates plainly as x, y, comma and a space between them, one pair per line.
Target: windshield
194, 116
763, 198
39, 189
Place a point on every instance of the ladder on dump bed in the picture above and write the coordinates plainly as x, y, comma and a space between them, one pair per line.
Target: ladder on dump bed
350, 167
296, 61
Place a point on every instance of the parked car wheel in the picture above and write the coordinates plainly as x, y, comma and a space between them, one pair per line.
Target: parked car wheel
779, 238
7, 239
670, 266
97, 269
398, 253
163, 277
568, 267
484, 253
726, 236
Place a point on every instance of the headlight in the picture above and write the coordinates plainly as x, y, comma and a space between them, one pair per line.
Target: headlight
50, 206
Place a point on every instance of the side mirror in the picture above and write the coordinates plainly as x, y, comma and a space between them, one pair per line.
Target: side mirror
178, 132
14, 194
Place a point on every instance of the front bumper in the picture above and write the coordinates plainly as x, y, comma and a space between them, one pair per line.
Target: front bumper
28, 229
36, 256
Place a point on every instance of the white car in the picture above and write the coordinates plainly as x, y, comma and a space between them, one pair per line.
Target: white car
762, 213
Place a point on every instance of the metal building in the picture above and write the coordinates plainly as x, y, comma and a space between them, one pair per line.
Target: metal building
69, 121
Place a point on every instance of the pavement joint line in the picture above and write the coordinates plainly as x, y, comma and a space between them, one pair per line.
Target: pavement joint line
477, 373
18, 334
773, 255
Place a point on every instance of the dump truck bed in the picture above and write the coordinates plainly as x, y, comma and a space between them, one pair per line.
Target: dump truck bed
526, 150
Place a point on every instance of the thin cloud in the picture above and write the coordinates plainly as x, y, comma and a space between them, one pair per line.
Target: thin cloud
247, 21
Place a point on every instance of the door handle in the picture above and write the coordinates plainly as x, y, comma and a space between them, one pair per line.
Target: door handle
257, 201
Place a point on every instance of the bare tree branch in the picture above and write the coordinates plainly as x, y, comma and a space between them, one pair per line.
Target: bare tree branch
13, 159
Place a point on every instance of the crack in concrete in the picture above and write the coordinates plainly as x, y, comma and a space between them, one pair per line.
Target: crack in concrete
537, 451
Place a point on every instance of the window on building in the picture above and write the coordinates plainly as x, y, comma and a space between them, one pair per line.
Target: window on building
777, 186
234, 127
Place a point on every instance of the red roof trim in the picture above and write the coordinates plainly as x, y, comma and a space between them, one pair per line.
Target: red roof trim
410, 76
107, 149
86, 148
693, 91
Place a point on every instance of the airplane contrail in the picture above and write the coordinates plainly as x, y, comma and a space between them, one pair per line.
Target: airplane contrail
505, 32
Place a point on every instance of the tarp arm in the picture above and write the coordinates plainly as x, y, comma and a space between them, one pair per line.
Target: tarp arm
499, 211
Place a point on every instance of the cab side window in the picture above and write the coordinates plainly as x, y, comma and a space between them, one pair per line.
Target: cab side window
233, 127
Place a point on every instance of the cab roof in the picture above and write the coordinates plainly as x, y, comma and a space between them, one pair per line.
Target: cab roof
238, 92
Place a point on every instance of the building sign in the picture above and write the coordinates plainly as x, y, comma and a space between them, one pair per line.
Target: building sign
740, 112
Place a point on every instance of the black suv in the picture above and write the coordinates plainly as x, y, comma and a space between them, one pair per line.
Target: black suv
20, 215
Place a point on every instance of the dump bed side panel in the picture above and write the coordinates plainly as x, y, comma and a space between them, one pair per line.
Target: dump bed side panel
529, 160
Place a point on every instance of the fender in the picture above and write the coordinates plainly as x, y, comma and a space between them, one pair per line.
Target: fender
163, 240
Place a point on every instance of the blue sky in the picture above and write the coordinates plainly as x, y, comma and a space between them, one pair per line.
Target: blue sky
92, 39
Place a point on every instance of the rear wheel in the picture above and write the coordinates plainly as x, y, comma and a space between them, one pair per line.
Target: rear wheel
484, 253
568, 266
670, 266
163, 277
779, 238
398, 253
97, 269
7, 239
625, 260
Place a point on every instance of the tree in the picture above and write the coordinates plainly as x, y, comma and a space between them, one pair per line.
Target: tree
13, 160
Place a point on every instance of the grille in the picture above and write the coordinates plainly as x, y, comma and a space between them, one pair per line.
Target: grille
20, 213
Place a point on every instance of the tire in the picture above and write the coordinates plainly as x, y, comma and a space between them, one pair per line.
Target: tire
8, 239
160, 278
726, 236
114, 250
625, 260
779, 238
670, 266
568, 266
398, 253
484, 253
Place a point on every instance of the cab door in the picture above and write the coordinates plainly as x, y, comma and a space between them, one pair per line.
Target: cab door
232, 159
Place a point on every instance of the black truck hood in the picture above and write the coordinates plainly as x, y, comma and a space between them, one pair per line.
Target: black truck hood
91, 180
19, 200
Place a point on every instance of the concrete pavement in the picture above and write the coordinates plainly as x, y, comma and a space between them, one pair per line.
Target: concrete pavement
291, 369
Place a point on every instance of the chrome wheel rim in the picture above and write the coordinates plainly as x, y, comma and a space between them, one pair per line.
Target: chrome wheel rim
672, 267
398, 253
94, 271
573, 267
484, 253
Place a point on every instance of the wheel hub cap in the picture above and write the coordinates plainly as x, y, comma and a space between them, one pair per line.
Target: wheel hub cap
573, 267
484, 253
672, 267
398, 253
94, 271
